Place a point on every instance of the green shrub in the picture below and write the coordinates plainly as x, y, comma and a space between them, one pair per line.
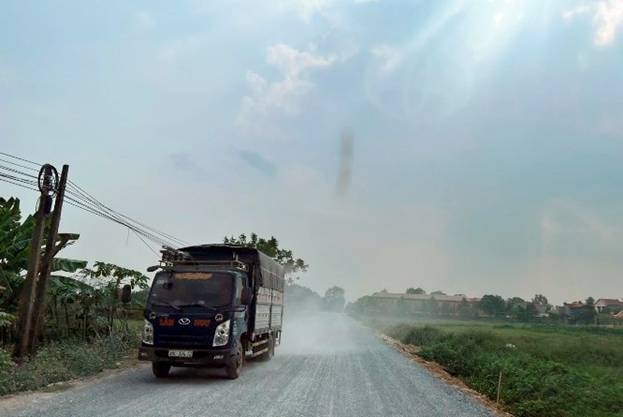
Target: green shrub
61, 361
423, 336
6, 367
540, 376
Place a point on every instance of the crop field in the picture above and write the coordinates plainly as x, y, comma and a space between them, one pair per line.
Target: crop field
547, 370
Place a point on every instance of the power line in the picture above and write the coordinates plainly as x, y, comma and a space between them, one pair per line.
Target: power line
73, 203
119, 217
85, 201
21, 159
18, 179
93, 200
18, 184
105, 215
92, 210
19, 165
17, 171
146, 244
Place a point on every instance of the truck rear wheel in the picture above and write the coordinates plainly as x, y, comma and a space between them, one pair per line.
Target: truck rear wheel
160, 369
270, 345
234, 368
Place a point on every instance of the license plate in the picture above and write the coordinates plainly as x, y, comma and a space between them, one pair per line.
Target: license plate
180, 354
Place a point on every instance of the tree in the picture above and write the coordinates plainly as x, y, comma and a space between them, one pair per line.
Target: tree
493, 305
590, 301
540, 299
300, 299
15, 236
417, 290
334, 299
111, 277
271, 248
438, 293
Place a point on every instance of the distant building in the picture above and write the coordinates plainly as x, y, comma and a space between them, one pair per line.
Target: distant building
452, 305
608, 305
577, 312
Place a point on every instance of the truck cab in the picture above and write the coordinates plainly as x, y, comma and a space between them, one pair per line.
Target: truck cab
212, 306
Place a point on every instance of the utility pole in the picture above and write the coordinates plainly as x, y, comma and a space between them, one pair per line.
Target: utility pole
48, 180
51, 249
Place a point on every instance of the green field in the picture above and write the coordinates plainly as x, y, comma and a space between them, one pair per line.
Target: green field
547, 371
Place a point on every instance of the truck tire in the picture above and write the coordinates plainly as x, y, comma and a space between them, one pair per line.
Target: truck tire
268, 355
233, 369
160, 369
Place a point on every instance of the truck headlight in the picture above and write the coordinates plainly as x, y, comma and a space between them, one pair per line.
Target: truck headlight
221, 334
148, 333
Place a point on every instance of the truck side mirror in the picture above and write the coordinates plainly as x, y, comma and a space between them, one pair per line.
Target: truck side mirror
126, 294
246, 297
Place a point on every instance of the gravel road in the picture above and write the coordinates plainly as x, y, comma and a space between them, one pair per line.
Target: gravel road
328, 365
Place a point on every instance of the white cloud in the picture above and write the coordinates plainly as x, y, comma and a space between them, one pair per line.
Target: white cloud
607, 19
292, 62
389, 57
308, 8
578, 10
280, 97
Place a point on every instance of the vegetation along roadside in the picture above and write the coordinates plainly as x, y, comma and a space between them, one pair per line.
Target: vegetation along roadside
553, 371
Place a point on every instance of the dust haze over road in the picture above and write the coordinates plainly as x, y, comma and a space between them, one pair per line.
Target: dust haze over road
328, 365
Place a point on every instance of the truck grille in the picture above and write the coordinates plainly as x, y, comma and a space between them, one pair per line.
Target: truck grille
164, 339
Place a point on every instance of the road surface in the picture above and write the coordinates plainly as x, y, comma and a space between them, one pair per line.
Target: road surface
328, 365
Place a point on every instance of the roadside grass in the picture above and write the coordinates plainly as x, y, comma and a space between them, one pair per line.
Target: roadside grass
547, 370
66, 360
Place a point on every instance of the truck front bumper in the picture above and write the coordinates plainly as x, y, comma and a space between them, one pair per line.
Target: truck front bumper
200, 357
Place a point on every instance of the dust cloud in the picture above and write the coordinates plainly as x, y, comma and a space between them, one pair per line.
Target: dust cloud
320, 333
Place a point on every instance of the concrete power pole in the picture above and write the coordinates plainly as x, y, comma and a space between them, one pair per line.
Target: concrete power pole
26, 308
51, 249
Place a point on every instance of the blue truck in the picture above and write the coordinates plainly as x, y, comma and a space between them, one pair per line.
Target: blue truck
212, 305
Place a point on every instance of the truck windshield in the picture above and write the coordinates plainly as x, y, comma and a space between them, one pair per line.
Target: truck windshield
197, 289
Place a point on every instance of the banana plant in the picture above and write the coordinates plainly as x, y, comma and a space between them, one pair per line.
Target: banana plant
15, 237
109, 277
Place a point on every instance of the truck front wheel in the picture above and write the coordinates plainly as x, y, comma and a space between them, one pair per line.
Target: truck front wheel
160, 369
234, 368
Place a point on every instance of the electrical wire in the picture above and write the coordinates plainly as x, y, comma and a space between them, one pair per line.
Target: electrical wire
17, 171
146, 244
18, 179
18, 165
153, 238
91, 201
134, 231
20, 159
18, 184
76, 196
76, 189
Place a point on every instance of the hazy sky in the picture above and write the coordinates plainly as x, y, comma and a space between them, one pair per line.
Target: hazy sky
487, 135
